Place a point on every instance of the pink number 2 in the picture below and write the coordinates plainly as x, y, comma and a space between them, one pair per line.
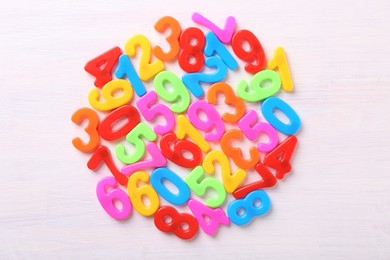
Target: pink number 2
224, 35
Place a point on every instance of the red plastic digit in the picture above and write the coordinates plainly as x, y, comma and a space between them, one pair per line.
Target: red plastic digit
191, 58
175, 224
280, 157
175, 154
254, 56
102, 66
268, 180
102, 154
106, 127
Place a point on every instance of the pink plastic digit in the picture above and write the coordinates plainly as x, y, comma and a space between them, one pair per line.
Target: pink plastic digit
212, 120
150, 111
107, 198
250, 126
225, 34
216, 216
157, 160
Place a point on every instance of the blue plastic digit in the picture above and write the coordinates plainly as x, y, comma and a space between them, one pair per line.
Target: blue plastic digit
156, 179
125, 68
249, 207
192, 80
270, 105
214, 45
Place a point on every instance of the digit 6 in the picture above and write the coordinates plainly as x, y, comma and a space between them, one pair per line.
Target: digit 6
175, 224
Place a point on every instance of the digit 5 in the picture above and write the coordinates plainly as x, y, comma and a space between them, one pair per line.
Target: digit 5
267, 180
236, 153
252, 129
93, 122
150, 111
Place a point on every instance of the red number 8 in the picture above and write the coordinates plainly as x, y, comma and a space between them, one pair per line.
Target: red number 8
175, 224
189, 50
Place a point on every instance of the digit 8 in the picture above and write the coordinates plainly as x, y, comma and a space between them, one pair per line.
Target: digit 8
189, 50
175, 223
250, 207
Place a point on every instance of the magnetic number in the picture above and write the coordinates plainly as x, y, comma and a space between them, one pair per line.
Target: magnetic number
208, 124
213, 45
185, 128
173, 39
164, 174
199, 186
191, 57
183, 225
93, 122
230, 99
126, 68
279, 61
138, 192
108, 198
256, 203
255, 56
111, 101
230, 181
257, 90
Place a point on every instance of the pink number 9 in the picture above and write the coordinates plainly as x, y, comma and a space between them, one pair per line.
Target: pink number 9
212, 120
107, 198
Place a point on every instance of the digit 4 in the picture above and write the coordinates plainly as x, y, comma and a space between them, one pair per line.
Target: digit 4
280, 157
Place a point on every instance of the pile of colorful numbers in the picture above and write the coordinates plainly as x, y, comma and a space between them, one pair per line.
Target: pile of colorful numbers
191, 124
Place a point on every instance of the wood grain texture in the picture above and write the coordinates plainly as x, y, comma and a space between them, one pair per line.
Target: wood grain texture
335, 204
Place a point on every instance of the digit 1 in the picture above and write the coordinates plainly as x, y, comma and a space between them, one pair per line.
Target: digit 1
279, 60
126, 68
215, 45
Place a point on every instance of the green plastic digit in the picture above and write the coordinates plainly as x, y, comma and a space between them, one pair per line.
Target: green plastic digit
256, 90
178, 95
134, 138
199, 187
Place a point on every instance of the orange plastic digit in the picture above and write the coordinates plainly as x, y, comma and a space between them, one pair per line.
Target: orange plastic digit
236, 153
173, 39
93, 122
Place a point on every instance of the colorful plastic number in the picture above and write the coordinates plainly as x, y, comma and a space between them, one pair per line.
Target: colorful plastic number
176, 153
157, 160
102, 66
147, 68
199, 186
108, 198
267, 180
191, 57
192, 80
225, 34
208, 124
93, 122
111, 101
216, 217
213, 45
236, 153
255, 56
134, 138
126, 68
280, 157
102, 154
150, 111
106, 127
185, 128
270, 105
167, 219
230, 181
279, 61
160, 174
173, 39
177, 94
249, 207
256, 90
137, 192
250, 126
230, 99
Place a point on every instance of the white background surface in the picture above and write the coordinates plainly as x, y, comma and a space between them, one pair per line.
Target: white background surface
335, 204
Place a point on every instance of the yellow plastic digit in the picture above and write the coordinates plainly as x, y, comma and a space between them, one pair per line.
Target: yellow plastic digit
136, 193
185, 128
111, 101
230, 181
279, 60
